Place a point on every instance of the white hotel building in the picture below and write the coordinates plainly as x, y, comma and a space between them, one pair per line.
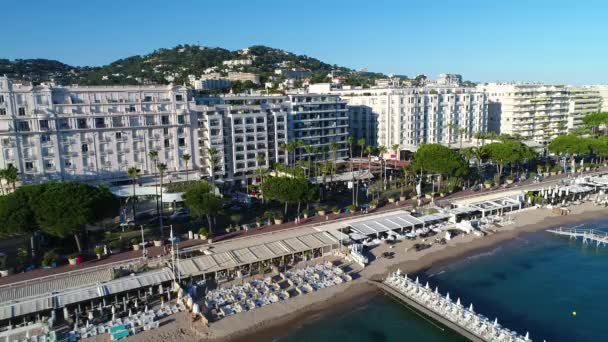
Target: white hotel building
246, 131
536, 112
245, 128
93, 133
414, 116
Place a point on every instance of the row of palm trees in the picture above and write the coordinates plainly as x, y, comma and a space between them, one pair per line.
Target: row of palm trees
133, 172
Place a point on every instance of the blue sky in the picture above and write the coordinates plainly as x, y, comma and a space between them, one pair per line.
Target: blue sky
534, 40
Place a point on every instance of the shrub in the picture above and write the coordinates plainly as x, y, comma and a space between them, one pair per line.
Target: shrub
116, 245
49, 258
135, 241
99, 250
204, 232
335, 209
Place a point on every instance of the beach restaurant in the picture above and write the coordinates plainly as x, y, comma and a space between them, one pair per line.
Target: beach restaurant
386, 225
248, 260
75, 294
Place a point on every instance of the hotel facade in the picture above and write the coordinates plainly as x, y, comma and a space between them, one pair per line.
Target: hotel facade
413, 116
93, 133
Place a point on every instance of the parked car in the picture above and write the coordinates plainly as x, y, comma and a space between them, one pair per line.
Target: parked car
180, 214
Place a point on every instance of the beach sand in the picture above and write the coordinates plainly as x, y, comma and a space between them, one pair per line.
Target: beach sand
269, 322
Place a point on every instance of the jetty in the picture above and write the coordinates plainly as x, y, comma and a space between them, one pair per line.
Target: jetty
588, 235
454, 315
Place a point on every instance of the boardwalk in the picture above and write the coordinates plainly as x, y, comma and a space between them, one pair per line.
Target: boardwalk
455, 315
588, 235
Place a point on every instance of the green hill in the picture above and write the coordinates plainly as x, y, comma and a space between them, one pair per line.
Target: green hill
174, 65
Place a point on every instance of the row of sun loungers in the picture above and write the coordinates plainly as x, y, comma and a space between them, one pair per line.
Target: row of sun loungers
224, 302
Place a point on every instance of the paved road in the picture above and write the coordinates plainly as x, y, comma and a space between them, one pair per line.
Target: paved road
154, 252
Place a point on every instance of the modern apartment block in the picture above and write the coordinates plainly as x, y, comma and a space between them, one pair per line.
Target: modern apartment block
246, 132
318, 120
418, 115
363, 123
536, 112
582, 101
93, 133
603, 92
249, 130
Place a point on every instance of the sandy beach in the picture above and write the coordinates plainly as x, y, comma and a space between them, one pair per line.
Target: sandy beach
272, 321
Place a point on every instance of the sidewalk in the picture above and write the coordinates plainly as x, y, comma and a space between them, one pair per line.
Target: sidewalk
153, 252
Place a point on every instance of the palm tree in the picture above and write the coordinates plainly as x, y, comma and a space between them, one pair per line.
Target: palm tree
361, 143
452, 127
369, 150
395, 148
461, 133
333, 146
153, 154
161, 171
11, 174
186, 159
133, 173
309, 150
350, 141
212, 154
285, 148
382, 150
261, 160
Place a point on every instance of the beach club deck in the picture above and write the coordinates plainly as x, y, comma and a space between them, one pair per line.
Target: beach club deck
397, 222
247, 259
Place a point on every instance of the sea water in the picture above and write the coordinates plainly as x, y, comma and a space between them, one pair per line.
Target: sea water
553, 287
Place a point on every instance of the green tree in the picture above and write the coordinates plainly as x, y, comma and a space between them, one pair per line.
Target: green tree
17, 214
286, 190
382, 150
595, 121
361, 144
202, 202
186, 158
507, 152
333, 146
64, 208
161, 167
133, 173
439, 159
11, 174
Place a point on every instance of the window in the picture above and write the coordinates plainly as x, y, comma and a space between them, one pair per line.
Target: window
21, 111
23, 126
180, 119
85, 148
45, 138
1, 98
68, 163
29, 165
164, 119
179, 98
44, 124
166, 143
2, 111
131, 109
165, 131
181, 142
118, 135
82, 123
148, 99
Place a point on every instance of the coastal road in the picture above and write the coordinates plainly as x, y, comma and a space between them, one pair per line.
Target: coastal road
158, 252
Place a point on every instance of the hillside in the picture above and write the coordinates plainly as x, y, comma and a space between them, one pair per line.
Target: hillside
174, 65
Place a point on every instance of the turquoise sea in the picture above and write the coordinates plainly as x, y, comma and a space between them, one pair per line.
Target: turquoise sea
532, 283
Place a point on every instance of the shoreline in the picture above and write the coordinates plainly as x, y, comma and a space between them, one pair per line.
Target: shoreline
359, 292
273, 322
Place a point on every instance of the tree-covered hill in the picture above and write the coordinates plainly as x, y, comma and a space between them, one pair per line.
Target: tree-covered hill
174, 65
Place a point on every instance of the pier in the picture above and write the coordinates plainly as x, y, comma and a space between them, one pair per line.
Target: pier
441, 308
588, 235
